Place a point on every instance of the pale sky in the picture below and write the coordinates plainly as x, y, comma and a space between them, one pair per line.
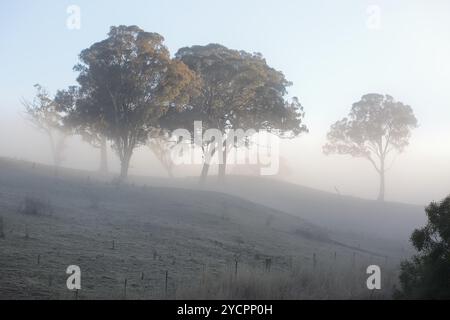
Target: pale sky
331, 50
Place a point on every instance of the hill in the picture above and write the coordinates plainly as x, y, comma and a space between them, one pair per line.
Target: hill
127, 238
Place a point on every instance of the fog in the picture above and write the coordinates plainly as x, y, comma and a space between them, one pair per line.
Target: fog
419, 175
406, 56
370, 82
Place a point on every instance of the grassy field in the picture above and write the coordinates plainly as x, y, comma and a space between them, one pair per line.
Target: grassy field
141, 242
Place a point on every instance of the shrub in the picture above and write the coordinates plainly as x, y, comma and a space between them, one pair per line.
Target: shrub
427, 274
35, 206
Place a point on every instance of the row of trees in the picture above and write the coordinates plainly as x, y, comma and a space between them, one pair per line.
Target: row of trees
131, 92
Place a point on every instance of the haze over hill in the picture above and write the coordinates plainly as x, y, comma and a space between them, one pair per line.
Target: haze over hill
382, 220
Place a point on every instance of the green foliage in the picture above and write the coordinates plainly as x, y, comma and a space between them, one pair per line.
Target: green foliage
238, 90
427, 274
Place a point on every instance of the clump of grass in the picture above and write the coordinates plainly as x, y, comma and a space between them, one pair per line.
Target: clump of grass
35, 206
94, 201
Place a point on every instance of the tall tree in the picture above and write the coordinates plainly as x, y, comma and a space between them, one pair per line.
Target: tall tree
376, 126
47, 115
238, 91
127, 82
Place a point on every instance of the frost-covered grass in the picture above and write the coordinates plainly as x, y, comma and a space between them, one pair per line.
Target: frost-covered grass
137, 233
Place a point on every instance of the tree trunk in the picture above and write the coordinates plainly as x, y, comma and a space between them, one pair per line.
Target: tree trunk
103, 156
57, 151
124, 165
206, 164
53, 149
169, 172
223, 164
382, 183
204, 173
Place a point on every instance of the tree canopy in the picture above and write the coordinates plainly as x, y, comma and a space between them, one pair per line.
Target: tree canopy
237, 90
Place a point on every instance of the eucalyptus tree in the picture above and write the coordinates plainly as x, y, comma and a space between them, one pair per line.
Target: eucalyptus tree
376, 126
128, 81
238, 90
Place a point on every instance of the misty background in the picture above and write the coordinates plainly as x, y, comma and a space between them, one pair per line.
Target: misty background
328, 50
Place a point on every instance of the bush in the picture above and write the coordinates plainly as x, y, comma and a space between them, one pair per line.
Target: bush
427, 274
35, 206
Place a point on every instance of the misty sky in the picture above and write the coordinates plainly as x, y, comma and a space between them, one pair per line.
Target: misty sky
326, 48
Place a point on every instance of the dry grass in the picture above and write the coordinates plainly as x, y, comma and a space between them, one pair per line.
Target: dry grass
192, 235
307, 283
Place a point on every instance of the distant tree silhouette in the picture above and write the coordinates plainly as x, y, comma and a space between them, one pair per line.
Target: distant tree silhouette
427, 274
90, 131
160, 144
99, 141
238, 91
47, 115
376, 126
127, 82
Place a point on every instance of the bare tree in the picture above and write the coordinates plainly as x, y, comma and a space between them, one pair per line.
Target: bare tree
47, 116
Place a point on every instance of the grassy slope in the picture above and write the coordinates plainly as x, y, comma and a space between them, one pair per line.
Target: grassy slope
192, 234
